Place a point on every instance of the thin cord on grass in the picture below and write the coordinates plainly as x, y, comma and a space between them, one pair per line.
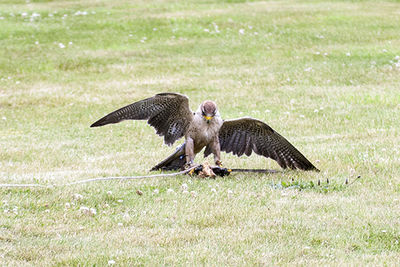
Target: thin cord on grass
102, 179
131, 178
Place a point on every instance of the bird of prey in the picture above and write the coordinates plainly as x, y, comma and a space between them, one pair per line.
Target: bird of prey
170, 115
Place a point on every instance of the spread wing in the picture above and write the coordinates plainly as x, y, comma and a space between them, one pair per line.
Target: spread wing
245, 135
168, 113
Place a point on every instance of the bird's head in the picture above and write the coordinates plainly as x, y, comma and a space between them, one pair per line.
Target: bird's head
208, 110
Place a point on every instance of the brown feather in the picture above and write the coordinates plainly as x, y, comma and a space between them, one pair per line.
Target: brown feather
168, 113
246, 135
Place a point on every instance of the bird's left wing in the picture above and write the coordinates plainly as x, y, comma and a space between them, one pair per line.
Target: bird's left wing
245, 135
168, 113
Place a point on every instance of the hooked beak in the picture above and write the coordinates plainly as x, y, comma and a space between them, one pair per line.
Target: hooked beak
208, 118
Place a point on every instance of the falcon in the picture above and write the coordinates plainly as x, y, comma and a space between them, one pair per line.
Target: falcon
170, 115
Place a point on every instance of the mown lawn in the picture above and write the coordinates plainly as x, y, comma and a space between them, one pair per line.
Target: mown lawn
324, 74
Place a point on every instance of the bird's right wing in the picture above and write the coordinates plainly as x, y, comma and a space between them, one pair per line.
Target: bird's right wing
168, 113
245, 135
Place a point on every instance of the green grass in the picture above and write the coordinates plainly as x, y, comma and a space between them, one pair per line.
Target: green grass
324, 74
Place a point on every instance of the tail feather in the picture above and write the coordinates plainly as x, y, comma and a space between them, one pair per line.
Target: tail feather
174, 162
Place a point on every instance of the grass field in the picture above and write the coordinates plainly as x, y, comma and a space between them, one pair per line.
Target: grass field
324, 74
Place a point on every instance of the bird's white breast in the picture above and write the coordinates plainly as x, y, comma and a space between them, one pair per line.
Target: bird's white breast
204, 132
